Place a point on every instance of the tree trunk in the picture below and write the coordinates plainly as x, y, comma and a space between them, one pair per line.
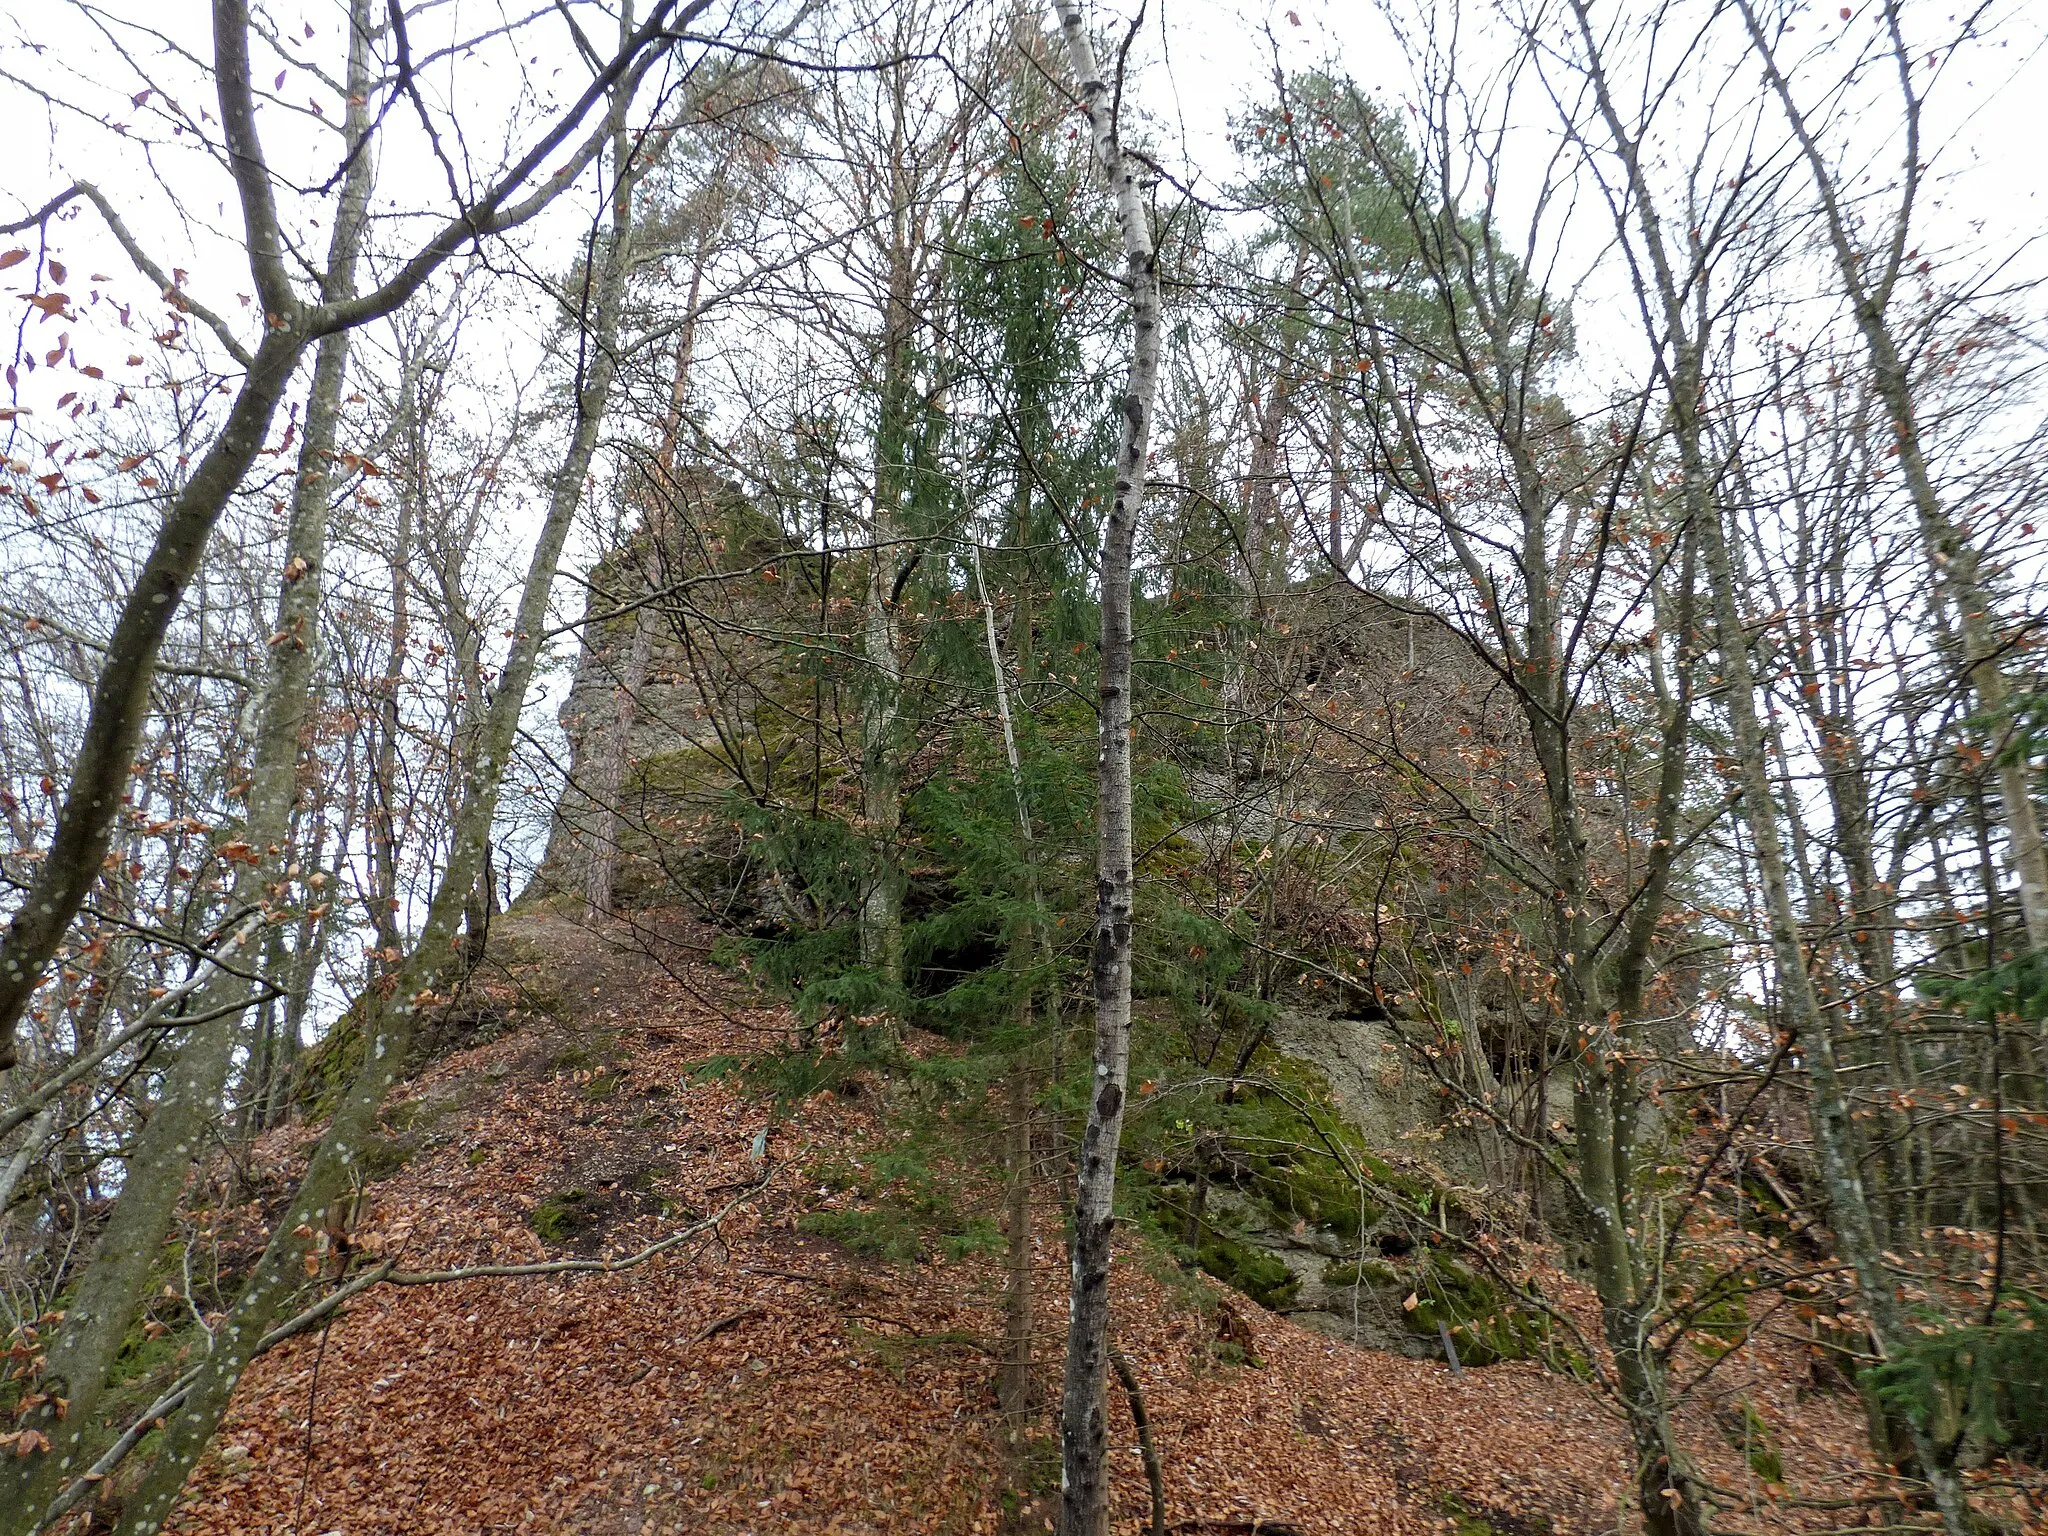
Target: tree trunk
1833, 1132
390, 1016
31, 1148
1084, 1485
83, 1351
889, 564
1014, 1388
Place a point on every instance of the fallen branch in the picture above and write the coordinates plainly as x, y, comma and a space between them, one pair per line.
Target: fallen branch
712, 1330
787, 1274
1146, 1449
323, 1310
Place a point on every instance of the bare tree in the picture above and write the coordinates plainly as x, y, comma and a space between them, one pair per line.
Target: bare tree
101, 766
1084, 1482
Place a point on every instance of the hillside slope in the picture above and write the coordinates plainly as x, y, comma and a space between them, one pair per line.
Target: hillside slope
755, 1378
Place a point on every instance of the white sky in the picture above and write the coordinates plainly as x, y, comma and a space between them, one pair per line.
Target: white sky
1199, 61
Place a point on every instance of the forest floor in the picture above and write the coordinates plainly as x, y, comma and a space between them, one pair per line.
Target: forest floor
760, 1379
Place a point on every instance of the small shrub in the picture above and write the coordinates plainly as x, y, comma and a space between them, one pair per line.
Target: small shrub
1987, 1382
888, 1232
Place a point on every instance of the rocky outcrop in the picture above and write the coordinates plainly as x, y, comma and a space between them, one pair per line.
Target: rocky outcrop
1361, 1231
683, 638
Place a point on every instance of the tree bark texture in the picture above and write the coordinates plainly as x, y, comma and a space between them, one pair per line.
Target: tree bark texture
1084, 1475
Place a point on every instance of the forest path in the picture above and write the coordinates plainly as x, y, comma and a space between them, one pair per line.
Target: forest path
759, 1379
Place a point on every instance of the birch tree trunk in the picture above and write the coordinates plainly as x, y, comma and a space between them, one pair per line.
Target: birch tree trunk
1084, 1475
31, 1148
1014, 1385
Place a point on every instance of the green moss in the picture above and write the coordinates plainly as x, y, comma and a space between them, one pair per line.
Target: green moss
1721, 1327
643, 1179
379, 1157
1377, 1273
1417, 1192
1251, 1270
1300, 1190
477, 1156
562, 1216
904, 1233
687, 768
327, 1068
1749, 1434
603, 1086
1469, 1522
835, 1177
1172, 1268
1484, 1323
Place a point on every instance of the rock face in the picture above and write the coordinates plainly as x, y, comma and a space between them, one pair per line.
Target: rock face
1358, 1237
684, 625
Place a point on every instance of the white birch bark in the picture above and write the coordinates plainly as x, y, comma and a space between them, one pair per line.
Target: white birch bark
30, 1149
1084, 1480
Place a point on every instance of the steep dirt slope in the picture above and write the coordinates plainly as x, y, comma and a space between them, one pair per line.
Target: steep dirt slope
756, 1379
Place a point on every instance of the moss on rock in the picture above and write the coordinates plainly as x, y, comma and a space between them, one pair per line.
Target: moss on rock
563, 1215
1483, 1321
1257, 1273
1376, 1273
